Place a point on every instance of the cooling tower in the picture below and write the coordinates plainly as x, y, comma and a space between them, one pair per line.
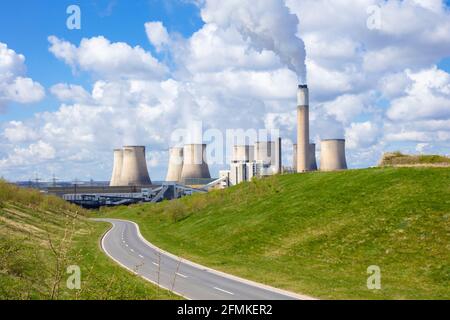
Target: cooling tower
134, 168
117, 168
194, 164
243, 153
266, 152
312, 164
302, 128
332, 155
175, 164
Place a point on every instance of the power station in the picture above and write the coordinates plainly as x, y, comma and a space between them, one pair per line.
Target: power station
188, 170
188, 164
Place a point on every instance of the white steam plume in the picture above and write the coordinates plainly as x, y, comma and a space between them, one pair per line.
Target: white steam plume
268, 24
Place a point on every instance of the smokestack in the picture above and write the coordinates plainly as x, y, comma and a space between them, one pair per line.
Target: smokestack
312, 157
243, 153
278, 158
117, 168
302, 128
332, 155
312, 163
175, 164
134, 168
194, 165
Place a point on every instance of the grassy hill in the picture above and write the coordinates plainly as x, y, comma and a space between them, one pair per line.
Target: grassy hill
40, 236
317, 233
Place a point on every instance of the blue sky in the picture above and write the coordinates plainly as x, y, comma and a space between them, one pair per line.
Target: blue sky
26, 32
225, 75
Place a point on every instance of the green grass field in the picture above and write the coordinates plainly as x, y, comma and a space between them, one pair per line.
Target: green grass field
317, 233
40, 236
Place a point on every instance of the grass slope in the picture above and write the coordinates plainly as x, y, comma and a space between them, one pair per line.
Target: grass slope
317, 233
41, 236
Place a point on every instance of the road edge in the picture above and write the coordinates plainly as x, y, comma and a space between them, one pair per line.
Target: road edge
217, 272
126, 267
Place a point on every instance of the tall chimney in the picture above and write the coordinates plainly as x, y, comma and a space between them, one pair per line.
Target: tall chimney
302, 128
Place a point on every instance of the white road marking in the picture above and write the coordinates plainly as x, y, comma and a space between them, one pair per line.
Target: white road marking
141, 256
126, 245
131, 250
181, 275
155, 264
224, 291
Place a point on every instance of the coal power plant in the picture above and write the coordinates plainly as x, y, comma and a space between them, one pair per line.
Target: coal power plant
188, 171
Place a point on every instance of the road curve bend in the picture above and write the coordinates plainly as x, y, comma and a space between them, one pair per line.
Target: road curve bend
125, 245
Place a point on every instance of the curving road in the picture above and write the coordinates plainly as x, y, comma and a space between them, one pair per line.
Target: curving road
125, 245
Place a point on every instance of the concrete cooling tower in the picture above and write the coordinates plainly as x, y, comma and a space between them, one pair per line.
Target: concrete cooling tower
195, 165
117, 168
332, 155
265, 152
302, 128
134, 167
312, 164
175, 164
243, 153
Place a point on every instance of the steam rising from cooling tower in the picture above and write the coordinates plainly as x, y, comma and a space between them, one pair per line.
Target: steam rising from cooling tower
175, 164
194, 162
130, 167
268, 25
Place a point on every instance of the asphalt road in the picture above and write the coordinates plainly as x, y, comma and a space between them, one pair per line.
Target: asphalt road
125, 245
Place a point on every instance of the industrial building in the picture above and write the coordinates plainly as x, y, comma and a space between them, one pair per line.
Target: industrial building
262, 159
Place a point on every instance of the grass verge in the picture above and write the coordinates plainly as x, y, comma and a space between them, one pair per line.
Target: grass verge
317, 233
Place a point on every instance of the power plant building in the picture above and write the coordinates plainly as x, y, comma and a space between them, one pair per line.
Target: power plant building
263, 159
